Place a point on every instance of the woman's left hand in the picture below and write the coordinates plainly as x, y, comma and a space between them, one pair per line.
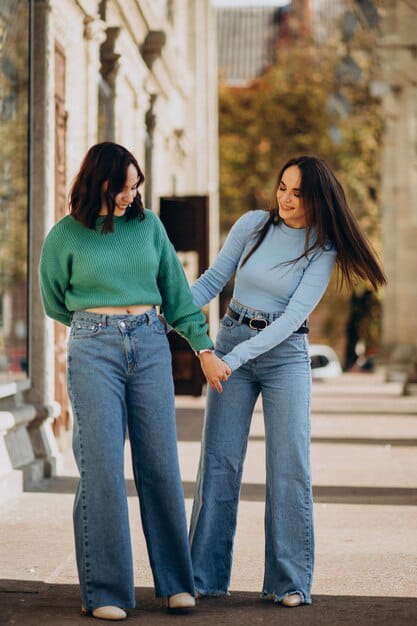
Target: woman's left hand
214, 369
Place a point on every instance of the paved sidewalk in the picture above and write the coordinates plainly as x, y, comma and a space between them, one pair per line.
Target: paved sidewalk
364, 441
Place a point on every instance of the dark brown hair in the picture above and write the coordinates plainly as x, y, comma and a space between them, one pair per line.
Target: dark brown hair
103, 162
330, 218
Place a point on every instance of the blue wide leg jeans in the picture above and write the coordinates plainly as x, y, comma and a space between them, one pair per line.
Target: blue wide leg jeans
283, 377
119, 378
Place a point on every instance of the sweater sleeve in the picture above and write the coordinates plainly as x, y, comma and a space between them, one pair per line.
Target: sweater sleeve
214, 279
305, 298
177, 302
54, 277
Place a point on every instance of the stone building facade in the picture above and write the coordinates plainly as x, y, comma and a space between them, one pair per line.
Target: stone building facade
398, 87
142, 73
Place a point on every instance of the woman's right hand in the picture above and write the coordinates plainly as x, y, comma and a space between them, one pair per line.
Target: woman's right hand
214, 370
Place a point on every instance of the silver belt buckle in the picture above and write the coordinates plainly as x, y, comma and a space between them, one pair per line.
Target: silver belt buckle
258, 319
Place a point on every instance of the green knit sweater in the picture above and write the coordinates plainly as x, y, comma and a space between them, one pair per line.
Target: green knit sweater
81, 268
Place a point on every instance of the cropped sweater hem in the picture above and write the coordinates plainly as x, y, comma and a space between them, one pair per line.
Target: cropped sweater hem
83, 268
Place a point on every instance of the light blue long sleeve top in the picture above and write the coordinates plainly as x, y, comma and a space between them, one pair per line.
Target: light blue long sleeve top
267, 282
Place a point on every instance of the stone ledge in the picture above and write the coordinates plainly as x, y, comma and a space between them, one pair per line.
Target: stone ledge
28, 449
33, 473
11, 486
17, 416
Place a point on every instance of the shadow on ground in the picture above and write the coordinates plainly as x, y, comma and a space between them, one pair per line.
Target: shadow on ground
254, 492
189, 427
26, 603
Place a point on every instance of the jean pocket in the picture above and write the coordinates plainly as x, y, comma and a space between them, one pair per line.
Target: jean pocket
159, 325
84, 330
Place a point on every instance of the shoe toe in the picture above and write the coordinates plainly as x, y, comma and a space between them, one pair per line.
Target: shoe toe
109, 612
181, 601
293, 599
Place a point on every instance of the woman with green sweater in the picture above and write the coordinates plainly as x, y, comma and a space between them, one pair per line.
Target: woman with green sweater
103, 270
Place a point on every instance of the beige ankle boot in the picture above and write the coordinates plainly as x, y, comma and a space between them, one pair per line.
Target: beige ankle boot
113, 613
180, 601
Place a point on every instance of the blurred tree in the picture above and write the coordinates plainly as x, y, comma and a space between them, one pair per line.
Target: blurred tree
302, 105
282, 113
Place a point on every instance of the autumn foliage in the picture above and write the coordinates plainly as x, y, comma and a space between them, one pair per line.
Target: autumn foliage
298, 106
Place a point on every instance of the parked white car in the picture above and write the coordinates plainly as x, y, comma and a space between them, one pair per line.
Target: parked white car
324, 361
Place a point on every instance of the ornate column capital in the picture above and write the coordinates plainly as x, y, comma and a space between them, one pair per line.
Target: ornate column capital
110, 59
94, 29
152, 46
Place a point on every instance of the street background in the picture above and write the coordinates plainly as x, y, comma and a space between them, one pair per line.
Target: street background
213, 99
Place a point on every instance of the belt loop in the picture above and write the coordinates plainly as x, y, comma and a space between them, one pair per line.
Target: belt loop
241, 315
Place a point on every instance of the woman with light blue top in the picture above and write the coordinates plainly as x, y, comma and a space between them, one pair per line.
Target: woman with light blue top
283, 262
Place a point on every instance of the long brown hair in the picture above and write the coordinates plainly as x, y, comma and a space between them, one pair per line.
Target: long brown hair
330, 218
103, 162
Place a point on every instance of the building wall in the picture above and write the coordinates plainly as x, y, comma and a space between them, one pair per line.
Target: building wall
399, 176
102, 43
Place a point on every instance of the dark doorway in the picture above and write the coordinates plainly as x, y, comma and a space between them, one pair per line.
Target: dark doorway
186, 219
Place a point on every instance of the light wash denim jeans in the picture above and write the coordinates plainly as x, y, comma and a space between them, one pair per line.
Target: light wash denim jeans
283, 377
120, 375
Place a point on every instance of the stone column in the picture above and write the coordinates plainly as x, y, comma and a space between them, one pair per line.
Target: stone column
95, 35
399, 182
36, 418
110, 65
150, 123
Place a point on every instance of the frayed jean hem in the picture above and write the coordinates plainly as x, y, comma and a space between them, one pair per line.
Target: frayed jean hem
277, 598
216, 592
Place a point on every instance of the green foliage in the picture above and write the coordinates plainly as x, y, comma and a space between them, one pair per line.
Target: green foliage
281, 114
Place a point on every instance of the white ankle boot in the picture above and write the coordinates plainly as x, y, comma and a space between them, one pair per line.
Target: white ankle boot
181, 601
107, 612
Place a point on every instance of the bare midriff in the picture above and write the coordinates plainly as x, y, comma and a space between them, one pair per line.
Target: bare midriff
130, 309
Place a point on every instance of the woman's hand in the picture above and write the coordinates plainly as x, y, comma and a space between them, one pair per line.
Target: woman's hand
214, 370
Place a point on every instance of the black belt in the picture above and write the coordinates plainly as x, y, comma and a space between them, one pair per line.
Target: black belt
259, 323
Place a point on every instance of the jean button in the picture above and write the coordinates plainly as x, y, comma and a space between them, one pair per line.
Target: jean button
122, 325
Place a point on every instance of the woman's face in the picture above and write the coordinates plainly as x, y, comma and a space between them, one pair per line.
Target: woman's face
128, 193
290, 201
